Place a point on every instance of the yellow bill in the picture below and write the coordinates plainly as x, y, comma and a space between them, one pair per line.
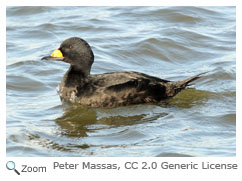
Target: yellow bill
57, 53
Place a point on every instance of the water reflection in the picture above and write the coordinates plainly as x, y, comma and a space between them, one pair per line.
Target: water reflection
78, 121
189, 98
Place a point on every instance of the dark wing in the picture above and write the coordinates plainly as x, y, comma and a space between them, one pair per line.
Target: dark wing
125, 88
122, 88
116, 78
151, 77
137, 84
139, 90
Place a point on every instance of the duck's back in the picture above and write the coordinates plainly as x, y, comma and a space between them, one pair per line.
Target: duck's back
119, 78
116, 89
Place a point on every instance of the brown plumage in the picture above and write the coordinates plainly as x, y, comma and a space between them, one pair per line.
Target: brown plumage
109, 89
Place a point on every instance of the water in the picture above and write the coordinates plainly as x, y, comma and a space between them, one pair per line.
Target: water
168, 42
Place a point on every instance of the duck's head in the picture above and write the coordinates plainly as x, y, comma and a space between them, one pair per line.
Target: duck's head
75, 51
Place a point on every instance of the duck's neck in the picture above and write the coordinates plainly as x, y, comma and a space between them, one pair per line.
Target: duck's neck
75, 77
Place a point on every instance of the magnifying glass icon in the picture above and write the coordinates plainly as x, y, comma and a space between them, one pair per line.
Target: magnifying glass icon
11, 166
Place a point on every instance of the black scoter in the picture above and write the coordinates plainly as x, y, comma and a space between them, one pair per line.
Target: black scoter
108, 89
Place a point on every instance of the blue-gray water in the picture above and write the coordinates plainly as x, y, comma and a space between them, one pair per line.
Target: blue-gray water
168, 42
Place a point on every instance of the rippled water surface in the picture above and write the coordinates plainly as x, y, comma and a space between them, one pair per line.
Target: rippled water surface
168, 42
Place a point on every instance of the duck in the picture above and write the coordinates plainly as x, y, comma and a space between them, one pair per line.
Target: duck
112, 89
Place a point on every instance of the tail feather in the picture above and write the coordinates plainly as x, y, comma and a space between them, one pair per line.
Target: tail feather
186, 82
174, 87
